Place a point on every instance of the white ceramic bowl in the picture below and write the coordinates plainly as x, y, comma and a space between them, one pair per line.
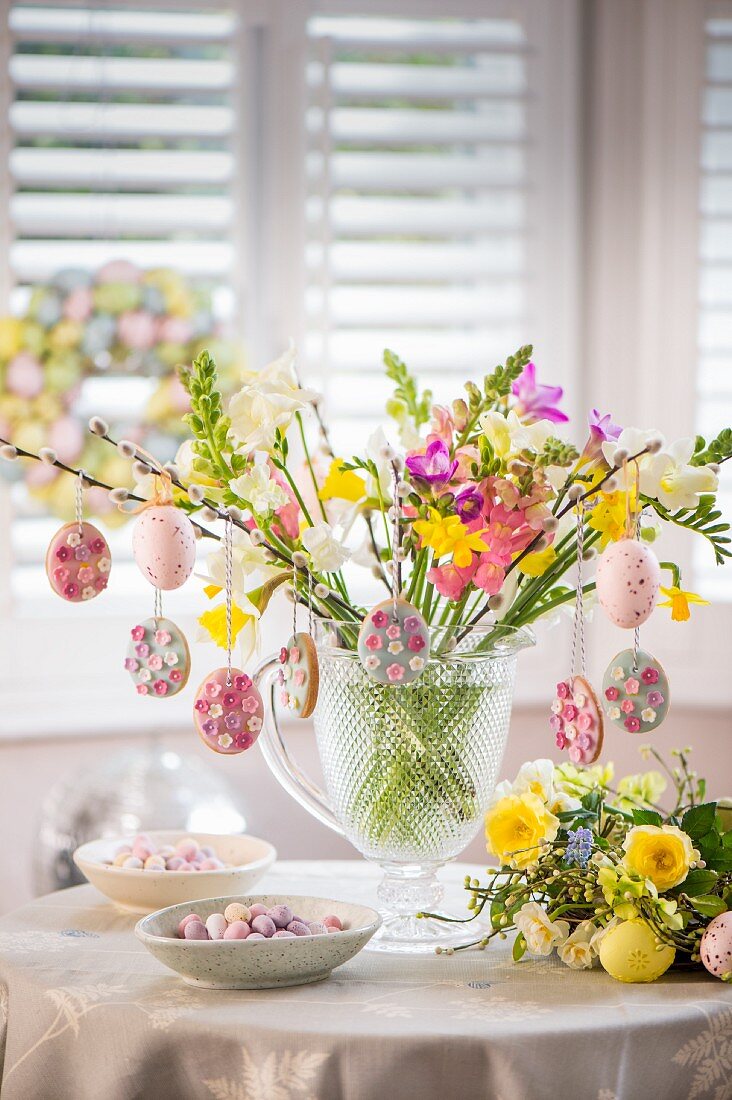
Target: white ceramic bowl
145, 891
259, 964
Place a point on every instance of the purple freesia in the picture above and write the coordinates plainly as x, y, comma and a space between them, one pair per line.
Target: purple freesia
601, 429
434, 466
468, 504
536, 402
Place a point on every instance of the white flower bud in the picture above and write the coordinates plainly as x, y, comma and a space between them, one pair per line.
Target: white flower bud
8, 452
714, 467
387, 452
451, 644
404, 489
620, 456
140, 469
257, 537
47, 455
322, 591
299, 560
172, 469
97, 426
127, 448
118, 496
195, 493
235, 513
197, 531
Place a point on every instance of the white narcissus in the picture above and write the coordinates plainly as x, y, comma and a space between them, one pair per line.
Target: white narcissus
327, 553
259, 489
577, 951
269, 401
670, 478
542, 934
247, 559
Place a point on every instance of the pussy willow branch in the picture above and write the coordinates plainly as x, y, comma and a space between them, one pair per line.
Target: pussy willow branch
223, 514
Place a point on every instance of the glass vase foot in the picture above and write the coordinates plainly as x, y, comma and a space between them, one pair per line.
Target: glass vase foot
405, 891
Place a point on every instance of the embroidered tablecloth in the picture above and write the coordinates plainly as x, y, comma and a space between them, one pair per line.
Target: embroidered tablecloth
86, 1012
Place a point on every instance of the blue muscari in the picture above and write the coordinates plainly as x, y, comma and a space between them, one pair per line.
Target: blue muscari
579, 847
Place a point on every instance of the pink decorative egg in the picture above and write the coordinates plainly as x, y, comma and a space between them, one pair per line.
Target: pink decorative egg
628, 576
164, 546
716, 945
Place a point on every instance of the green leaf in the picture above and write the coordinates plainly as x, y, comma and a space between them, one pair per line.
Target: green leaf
699, 820
722, 861
519, 947
647, 817
709, 905
698, 882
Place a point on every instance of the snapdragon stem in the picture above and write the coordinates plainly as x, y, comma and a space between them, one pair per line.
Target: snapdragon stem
308, 460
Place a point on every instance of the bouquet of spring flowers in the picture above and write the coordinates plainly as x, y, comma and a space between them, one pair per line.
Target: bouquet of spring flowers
596, 871
487, 494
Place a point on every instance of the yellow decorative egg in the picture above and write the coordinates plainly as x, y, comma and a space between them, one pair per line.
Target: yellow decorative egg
628, 953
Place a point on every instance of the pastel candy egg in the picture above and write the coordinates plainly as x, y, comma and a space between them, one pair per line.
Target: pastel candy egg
283, 934
627, 581
195, 930
120, 859
394, 643
280, 915
174, 863
187, 920
216, 926
258, 910
237, 930
164, 546
317, 928
186, 848
132, 863
256, 936
331, 928
332, 921
155, 863
265, 925
628, 953
298, 928
235, 911
716, 945
210, 865
141, 851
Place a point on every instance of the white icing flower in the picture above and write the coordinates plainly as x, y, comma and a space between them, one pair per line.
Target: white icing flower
557, 706
542, 935
618, 673
215, 711
648, 714
327, 554
254, 723
73, 539
103, 565
371, 662
88, 593
171, 658
570, 731
224, 740
416, 664
144, 675
579, 700
577, 951
395, 647
613, 713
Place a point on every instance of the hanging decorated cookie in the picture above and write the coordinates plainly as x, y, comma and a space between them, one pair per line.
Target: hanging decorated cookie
576, 716
635, 691
78, 559
299, 677
228, 710
628, 574
158, 659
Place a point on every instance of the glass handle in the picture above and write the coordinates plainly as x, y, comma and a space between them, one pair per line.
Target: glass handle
275, 752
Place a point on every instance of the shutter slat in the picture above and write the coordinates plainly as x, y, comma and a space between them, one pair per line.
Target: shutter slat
410, 306
40, 259
356, 125
105, 122
58, 25
497, 76
120, 169
375, 33
428, 217
117, 74
418, 171
439, 263
103, 215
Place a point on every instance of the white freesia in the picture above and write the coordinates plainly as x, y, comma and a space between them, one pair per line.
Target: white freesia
376, 444
632, 441
676, 484
538, 777
259, 489
577, 951
327, 553
542, 935
247, 559
267, 402
508, 435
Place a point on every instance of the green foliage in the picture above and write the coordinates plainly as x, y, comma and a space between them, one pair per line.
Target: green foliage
647, 817
206, 420
498, 384
698, 821
406, 391
703, 520
557, 453
717, 450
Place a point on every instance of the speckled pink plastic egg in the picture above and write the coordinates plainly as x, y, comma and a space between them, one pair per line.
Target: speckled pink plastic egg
628, 576
716, 945
164, 546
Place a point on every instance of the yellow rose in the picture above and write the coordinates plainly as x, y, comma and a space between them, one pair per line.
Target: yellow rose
662, 853
516, 826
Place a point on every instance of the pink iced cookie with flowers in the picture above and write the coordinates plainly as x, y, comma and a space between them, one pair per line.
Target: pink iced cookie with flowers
635, 692
228, 716
576, 720
299, 677
394, 648
78, 562
158, 658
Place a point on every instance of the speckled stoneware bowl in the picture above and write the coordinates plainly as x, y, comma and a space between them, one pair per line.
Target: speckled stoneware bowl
134, 891
261, 964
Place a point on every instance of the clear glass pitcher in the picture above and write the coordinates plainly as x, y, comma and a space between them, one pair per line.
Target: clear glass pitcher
409, 769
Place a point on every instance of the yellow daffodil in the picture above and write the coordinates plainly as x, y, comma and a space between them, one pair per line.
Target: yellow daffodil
516, 827
609, 516
449, 535
214, 621
679, 601
661, 853
342, 484
535, 565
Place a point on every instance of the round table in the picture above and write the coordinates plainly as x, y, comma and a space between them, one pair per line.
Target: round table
86, 1012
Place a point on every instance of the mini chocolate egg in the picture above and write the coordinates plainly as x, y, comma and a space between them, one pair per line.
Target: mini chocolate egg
78, 562
394, 643
576, 720
164, 546
299, 677
627, 581
158, 658
628, 953
228, 715
716, 946
635, 692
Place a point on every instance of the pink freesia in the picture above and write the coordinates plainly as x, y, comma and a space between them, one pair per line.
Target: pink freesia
288, 517
601, 430
450, 580
489, 576
441, 425
537, 402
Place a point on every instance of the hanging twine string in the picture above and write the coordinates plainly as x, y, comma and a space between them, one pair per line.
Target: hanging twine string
311, 617
638, 515
158, 607
396, 565
578, 631
162, 486
79, 502
228, 569
294, 597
